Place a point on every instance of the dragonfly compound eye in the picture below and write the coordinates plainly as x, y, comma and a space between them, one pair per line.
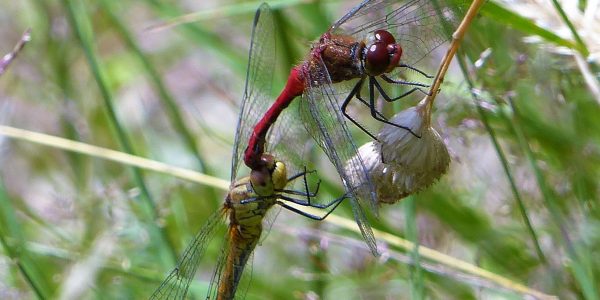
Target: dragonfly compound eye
261, 181
384, 37
383, 55
279, 176
377, 59
259, 178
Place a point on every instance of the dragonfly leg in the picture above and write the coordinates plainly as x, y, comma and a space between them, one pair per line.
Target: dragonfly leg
301, 174
415, 69
372, 85
299, 193
307, 194
416, 87
309, 204
335, 204
355, 91
363, 101
253, 199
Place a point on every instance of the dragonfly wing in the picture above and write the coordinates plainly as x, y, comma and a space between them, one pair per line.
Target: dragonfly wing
216, 277
176, 285
419, 26
268, 222
289, 142
359, 11
243, 284
259, 77
231, 271
323, 119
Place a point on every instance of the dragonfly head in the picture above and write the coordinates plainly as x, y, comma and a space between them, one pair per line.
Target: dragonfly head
279, 175
382, 55
271, 176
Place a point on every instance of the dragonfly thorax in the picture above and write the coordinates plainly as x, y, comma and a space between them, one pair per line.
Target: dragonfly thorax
247, 217
346, 58
341, 56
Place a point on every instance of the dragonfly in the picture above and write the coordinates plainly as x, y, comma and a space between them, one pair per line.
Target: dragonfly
246, 205
248, 200
373, 42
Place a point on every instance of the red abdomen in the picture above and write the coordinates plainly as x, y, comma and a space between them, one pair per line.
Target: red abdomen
256, 145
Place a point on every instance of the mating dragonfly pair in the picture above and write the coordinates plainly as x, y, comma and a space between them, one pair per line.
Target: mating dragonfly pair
365, 45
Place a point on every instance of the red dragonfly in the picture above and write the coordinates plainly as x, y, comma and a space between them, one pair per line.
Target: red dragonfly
375, 40
250, 198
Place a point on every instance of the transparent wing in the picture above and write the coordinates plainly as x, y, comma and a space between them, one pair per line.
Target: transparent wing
288, 141
244, 283
419, 26
176, 285
323, 119
268, 222
215, 280
259, 77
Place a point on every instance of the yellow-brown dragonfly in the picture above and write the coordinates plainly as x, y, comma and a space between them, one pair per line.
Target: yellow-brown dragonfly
245, 207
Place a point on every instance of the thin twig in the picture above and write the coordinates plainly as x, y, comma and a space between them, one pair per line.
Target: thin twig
8, 58
457, 37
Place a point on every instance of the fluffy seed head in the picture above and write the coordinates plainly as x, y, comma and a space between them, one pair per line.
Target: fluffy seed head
400, 163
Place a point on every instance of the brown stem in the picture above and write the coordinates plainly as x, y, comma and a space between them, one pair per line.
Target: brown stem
457, 37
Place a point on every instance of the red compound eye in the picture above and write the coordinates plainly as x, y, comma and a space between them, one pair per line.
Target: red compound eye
395, 52
383, 55
384, 36
377, 59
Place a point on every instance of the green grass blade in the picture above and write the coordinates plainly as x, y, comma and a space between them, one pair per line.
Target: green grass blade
17, 251
175, 116
233, 57
503, 15
417, 286
581, 45
504, 161
581, 267
77, 18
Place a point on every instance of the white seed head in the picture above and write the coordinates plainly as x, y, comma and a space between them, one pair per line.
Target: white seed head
419, 152
387, 183
401, 163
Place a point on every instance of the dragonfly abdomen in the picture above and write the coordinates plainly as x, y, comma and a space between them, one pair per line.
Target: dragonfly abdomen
245, 229
242, 241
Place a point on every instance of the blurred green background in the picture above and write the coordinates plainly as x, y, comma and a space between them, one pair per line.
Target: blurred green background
520, 117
